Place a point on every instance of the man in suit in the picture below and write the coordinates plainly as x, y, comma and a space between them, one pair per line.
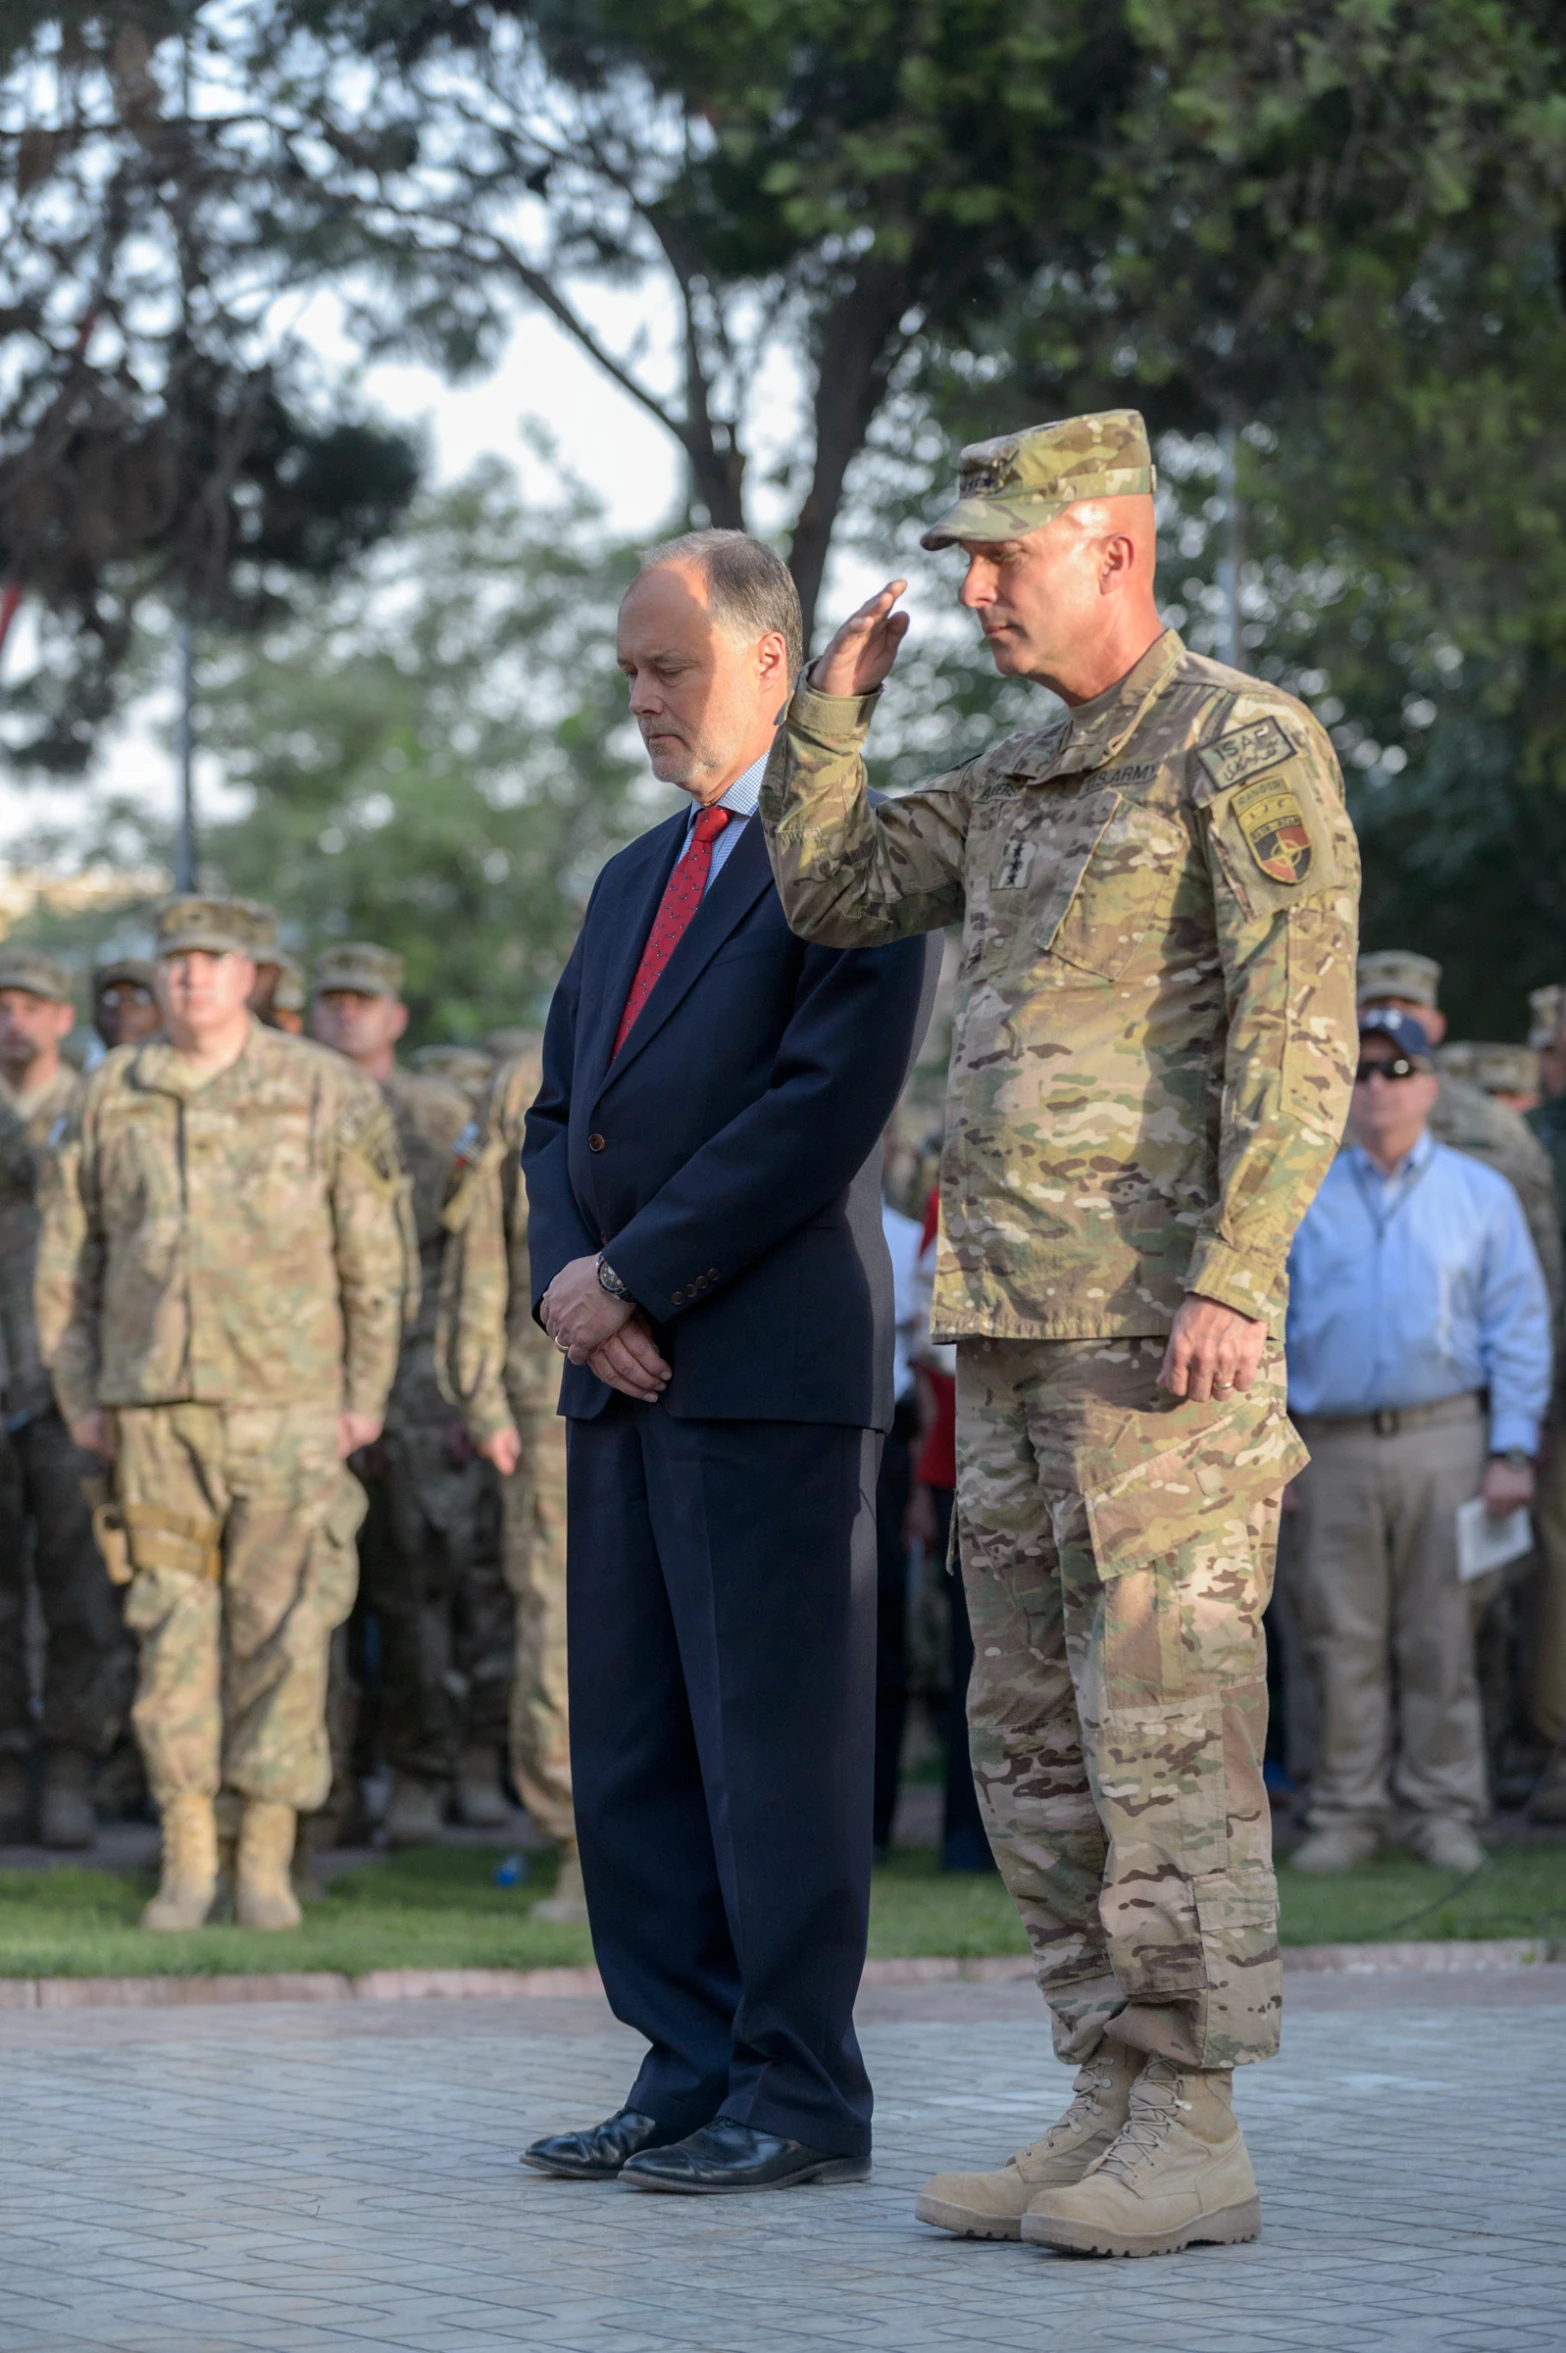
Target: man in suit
703, 1177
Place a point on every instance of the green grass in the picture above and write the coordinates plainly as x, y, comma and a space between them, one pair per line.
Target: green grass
441, 1909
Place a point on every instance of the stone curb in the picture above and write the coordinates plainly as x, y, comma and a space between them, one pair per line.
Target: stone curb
403, 1985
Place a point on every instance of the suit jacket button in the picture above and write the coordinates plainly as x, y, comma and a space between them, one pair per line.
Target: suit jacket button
712, 1274
679, 1298
595, 1143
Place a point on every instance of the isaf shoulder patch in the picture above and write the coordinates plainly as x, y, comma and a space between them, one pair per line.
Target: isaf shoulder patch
1270, 817
1247, 751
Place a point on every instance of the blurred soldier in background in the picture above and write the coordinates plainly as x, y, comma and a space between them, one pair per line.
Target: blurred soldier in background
1465, 1117
1547, 1681
270, 961
1509, 1075
124, 1001
429, 1549
467, 1068
505, 1374
220, 1297
45, 1524
288, 997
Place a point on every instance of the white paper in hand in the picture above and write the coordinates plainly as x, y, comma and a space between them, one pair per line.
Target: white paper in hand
1485, 1543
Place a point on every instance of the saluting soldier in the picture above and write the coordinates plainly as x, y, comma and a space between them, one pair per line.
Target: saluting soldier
429, 1548
1152, 1059
504, 1372
220, 1298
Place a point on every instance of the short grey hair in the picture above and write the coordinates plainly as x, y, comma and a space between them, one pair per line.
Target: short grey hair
750, 589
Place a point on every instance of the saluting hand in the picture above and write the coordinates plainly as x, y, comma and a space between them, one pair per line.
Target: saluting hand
861, 655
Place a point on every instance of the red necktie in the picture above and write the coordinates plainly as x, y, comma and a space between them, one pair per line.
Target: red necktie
682, 895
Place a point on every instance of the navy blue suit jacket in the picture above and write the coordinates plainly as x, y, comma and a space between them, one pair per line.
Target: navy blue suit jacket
727, 1161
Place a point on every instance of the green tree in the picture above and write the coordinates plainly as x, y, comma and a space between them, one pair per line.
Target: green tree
160, 436
436, 756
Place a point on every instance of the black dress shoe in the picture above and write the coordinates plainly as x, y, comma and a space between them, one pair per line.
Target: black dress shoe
724, 2157
598, 2153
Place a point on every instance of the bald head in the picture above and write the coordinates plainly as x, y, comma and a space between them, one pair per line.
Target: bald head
1071, 605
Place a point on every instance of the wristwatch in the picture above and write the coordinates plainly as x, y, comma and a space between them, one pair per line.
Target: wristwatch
609, 1281
1517, 1457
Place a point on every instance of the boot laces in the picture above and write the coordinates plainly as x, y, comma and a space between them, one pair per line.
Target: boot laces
1093, 2078
1156, 2108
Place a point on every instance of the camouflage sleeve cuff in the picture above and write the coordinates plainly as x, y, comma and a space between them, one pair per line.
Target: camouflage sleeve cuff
1249, 1285
831, 718
486, 1415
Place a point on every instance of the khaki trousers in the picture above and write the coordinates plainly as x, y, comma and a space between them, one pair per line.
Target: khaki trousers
241, 1521
1547, 1681
1117, 1554
1388, 1628
534, 1506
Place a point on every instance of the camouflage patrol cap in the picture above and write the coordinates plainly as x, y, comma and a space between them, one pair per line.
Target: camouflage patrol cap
36, 971
1497, 1069
1021, 481
1398, 972
504, 1045
218, 927
361, 966
1544, 1016
263, 931
134, 970
289, 994
462, 1067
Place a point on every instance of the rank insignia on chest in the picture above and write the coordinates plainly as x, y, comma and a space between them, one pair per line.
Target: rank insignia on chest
1016, 858
1272, 821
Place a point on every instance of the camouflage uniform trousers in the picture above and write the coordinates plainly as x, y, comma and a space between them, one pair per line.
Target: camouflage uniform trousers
1117, 1551
240, 1522
429, 1553
90, 1659
534, 1501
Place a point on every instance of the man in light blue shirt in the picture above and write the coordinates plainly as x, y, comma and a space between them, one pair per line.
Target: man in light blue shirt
1419, 1373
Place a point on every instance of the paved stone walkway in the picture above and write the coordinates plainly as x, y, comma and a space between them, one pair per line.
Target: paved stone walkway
281, 2179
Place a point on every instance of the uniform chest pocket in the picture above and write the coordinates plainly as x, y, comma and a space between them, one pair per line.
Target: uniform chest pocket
1074, 875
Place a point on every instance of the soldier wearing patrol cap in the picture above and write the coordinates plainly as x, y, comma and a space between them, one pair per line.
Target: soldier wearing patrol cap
125, 1000
429, 1550
220, 1295
288, 995
1152, 1063
89, 1659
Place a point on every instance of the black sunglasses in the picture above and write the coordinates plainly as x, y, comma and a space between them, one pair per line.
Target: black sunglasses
1398, 1067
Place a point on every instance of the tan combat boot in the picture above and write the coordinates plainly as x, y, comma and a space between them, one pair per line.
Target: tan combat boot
416, 1813
991, 2205
190, 1866
1178, 2176
263, 1895
567, 1907
480, 1801
66, 1818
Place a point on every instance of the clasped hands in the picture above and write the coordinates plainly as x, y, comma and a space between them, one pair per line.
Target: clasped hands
612, 1337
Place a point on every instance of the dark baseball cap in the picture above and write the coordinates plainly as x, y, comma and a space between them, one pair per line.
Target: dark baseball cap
1401, 1030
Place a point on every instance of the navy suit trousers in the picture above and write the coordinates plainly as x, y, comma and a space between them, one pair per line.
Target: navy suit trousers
722, 1595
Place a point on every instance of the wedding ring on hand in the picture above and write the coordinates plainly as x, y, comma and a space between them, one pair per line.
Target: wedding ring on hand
1223, 1388
564, 1346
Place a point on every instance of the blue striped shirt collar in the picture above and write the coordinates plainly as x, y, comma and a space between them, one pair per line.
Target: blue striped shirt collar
743, 797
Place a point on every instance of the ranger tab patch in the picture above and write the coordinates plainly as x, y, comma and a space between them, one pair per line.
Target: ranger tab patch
1246, 752
1272, 821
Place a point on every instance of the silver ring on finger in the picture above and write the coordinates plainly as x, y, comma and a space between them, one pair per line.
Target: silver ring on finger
1223, 1388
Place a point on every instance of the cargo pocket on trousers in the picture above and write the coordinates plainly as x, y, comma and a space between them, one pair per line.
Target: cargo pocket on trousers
332, 1575
1168, 1499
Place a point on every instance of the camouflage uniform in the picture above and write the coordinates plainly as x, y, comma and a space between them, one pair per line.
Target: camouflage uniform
89, 1658
222, 1268
1152, 1057
504, 1372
